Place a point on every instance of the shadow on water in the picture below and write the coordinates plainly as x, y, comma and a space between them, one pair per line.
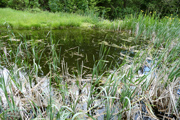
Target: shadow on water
73, 47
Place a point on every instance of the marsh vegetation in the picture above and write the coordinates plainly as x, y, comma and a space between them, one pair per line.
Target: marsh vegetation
121, 69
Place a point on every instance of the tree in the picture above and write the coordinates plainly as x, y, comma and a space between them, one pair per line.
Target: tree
3, 3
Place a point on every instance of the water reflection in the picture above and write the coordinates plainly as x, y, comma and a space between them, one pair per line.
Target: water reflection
73, 47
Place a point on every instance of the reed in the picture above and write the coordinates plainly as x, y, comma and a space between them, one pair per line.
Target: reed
141, 86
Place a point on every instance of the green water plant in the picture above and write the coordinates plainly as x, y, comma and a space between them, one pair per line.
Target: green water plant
122, 93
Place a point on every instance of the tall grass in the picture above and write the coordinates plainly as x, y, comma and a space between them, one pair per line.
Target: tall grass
128, 92
41, 20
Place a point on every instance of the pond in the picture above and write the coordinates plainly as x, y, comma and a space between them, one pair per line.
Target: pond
31, 59
73, 48
75, 52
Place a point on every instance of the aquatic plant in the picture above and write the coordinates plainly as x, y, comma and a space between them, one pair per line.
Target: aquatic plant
141, 86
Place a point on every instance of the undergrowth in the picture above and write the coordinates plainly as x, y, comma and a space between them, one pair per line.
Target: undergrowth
127, 92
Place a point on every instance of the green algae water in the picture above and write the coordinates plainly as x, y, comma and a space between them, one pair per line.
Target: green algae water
71, 48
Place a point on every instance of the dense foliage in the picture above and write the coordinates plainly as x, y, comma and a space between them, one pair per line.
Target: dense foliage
104, 8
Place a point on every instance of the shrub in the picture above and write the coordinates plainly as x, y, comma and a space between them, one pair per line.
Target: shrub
3, 3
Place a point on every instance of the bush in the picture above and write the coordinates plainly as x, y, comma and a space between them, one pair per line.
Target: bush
33, 4
3, 3
55, 5
104, 8
18, 4
68, 5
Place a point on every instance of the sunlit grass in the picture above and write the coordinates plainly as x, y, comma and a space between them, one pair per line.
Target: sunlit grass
27, 20
106, 94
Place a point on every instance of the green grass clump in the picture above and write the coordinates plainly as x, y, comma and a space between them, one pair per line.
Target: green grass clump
27, 20
139, 24
117, 94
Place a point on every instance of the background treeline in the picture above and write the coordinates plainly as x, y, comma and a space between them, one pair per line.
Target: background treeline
104, 8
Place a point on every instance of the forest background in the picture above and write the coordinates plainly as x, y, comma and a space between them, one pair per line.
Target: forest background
108, 9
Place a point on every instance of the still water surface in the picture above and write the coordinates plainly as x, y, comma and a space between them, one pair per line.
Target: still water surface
73, 47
